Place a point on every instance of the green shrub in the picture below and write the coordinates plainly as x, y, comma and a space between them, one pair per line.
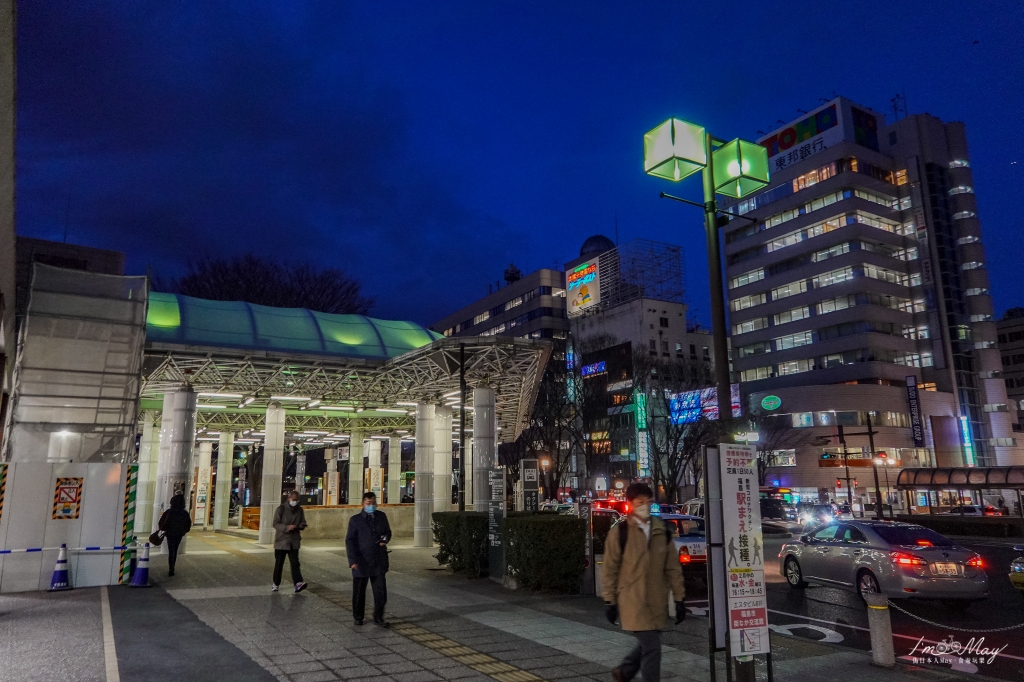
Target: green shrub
461, 539
544, 551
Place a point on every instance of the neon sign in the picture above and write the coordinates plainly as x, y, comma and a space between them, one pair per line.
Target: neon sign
582, 274
583, 284
594, 369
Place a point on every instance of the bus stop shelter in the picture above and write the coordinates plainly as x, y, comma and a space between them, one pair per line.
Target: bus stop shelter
960, 479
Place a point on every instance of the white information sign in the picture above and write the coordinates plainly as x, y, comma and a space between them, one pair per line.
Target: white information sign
744, 551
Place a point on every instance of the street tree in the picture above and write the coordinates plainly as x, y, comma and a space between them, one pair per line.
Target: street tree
775, 434
266, 282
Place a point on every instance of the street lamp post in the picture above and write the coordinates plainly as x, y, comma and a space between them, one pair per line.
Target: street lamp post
677, 149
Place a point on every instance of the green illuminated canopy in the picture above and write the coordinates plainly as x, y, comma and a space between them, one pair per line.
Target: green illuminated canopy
182, 320
741, 168
674, 150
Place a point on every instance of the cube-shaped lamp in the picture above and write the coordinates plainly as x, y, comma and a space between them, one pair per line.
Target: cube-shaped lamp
741, 168
674, 150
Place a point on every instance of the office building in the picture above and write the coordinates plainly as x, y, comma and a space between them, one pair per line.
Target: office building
7, 287
1011, 348
530, 306
857, 283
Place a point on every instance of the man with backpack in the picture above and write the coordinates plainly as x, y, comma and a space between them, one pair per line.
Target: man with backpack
641, 565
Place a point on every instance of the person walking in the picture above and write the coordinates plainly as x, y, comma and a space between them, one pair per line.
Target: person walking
174, 523
289, 522
641, 565
367, 546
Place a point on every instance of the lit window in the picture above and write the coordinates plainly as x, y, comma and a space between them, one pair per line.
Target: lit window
481, 317
976, 291
963, 215
834, 277
961, 189
884, 274
981, 318
901, 177
795, 367
747, 278
972, 265
792, 315
749, 326
959, 163
791, 289
746, 302
755, 374
969, 239
793, 341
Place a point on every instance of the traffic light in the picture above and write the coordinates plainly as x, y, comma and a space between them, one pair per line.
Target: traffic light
839, 484
855, 483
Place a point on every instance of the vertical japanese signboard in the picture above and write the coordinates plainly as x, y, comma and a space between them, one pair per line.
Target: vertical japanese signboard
531, 485
744, 551
495, 515
916, 427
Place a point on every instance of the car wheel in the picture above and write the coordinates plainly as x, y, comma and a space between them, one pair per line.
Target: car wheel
794, 576
956, 605
867, 583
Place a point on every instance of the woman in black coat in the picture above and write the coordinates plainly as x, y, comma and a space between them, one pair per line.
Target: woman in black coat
174, 523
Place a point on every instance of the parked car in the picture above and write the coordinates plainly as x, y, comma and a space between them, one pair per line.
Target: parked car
772, 508
1017, 570
690, 537
974, 510
900, 560
694, 507
613, 514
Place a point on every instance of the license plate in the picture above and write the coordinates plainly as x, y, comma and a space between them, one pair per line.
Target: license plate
946, 569
698, 549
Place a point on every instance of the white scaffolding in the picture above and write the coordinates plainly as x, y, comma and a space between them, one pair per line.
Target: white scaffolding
79, 368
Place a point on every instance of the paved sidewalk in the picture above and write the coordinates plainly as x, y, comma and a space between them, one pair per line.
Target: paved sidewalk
218, 620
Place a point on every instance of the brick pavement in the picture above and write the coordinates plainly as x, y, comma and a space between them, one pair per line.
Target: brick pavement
218, 620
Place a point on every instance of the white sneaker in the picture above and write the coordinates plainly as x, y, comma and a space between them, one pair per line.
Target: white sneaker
273, 588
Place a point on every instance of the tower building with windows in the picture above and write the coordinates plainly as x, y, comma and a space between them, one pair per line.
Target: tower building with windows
857, 287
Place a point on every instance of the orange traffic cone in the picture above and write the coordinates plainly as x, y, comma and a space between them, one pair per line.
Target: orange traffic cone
60, 580
141, 576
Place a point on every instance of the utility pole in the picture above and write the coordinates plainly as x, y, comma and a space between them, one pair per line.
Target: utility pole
870, 433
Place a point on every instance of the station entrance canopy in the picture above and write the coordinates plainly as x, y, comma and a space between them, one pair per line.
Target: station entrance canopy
330, 373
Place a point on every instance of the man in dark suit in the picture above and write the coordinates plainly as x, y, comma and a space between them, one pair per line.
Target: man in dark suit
367, 546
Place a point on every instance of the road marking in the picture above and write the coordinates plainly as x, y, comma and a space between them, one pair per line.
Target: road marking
830, 636
857, 627
109, 652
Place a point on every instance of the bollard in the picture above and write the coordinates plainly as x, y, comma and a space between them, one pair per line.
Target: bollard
879, 622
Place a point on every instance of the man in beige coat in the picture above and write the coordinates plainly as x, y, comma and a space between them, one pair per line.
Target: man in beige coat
636, 581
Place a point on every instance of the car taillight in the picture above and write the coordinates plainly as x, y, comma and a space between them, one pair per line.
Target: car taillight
904, 559
684, 555
975, 562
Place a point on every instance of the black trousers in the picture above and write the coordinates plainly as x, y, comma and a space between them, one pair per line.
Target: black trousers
645, 657
172, 550
380, 596
293, 559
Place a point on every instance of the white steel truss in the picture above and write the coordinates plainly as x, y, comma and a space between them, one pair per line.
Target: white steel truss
430, 374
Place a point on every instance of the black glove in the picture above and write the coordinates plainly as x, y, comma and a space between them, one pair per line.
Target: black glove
611, 612
680, 612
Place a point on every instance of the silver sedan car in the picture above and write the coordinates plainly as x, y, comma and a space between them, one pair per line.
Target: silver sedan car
900, 560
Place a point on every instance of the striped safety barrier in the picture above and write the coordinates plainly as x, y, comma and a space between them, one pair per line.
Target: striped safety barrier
70, 549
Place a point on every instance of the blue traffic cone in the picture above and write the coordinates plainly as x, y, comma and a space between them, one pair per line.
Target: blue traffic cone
60, 580
141, 576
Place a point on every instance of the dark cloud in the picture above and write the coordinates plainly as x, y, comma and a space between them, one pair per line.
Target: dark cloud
195, 130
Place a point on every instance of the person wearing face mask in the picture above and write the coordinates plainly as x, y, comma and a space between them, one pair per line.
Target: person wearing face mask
289, 522
641, 565
366, 544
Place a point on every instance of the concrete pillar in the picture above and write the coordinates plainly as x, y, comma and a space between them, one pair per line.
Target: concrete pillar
424, 493
468, 463
201, 503
273, 465
149, 452
394, 470
485, 425
331, 489
442, 459
177, 443
355, 468
222, 498
372, 452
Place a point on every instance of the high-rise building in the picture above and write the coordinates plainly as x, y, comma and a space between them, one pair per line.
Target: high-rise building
857, 284
7, 120
1011, 347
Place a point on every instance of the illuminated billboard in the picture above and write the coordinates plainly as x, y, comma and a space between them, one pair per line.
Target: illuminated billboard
583, 284
691, 406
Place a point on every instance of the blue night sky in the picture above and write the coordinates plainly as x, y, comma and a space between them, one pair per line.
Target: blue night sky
424, 146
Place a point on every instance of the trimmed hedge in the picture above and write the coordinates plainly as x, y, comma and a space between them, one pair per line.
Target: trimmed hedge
461, 539
544, 551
